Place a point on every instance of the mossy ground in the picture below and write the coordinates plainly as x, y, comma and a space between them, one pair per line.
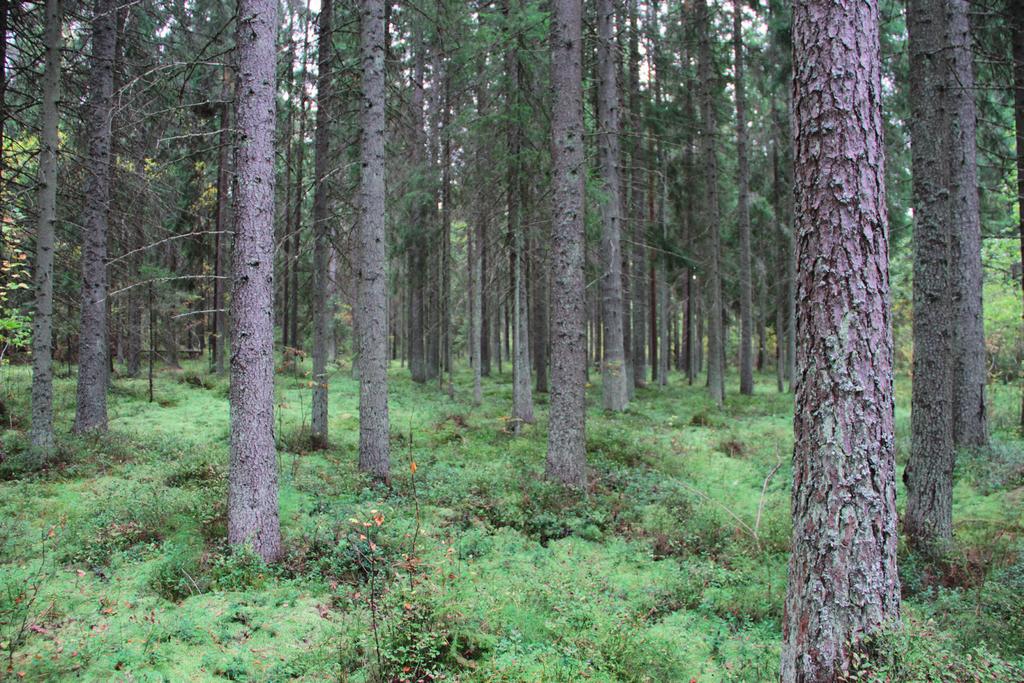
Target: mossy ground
672, 567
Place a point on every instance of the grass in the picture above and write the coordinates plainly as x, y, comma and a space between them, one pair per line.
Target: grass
672, 567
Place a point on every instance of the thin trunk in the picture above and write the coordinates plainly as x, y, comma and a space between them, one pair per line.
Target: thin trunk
614, 392
566, 458
637, 205
374, 447
91, 411
843, 583
321, 229
522, 395
417, 241
1018, 111
300, 190
252, 475
716, 375
42, 321
743, 206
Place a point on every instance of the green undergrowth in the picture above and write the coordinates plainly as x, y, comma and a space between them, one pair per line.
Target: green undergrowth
470, 566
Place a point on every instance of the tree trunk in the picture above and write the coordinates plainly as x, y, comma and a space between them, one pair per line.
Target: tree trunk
300, 193
417, 246
566, 459
928, 521
217, 338
91, 411
614, 394
743, 207
637, 204
1018, 111
522, 395
842, 573
321, 230
970, 368
374, 427
716, 375
42, 321
252, 476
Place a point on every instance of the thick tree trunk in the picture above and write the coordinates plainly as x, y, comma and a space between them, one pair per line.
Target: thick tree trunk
91, 412
374, 448
252, 476
321, 230
42, 321
709, 124
614, 392
842, 573
566, 460
928, 521
743, 206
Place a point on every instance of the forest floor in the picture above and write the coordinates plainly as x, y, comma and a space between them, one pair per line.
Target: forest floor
470, 567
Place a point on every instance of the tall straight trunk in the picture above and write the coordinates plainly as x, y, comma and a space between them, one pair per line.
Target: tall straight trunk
709, 123
417, 241
970, 368
1018, 112
843, 583
522, 395
637, 205
538, 285
743, 205
321, 228
781, 266
928, 521
300, 193
252, 476
475, 253
91, 411
614, 393
566, 459
289, 170
374, 453
42, 321
446, 235
217, 337
486, 299
664, 299
627, 229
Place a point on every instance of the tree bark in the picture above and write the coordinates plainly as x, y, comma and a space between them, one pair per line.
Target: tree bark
743, 206
321, 229
522, 395
843, 582
709, 122
374, 447
928, 521
566, 459
614, 392
42, 321
637, 204
970, 368
91, 411
1018, 117
252, 476
416, 246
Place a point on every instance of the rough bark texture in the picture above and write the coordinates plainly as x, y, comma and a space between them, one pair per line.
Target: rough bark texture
252, 476
566, 460
42, 321
91, 412
373, 313
637, 206
929, 474
842, 573
321, 231
970, 369
743, 206
614, 393
709, 135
